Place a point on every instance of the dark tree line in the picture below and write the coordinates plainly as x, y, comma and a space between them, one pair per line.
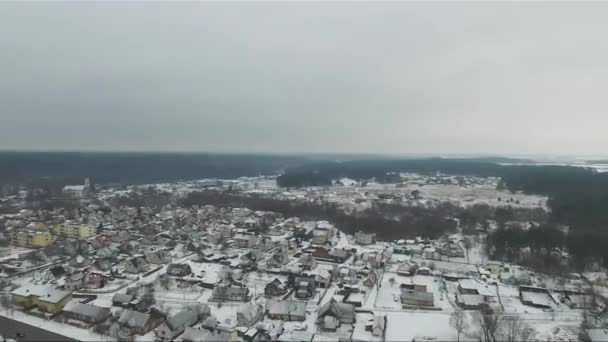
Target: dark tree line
577, 196
388, 221
63, 168
544, 247
409, 222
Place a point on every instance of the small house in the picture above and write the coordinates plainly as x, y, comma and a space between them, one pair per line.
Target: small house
123, 300
332, 314
249, 314
74, 281
305, 288
411, 297
307, 262
87, 313
363, 238
136, 265
161, 257
177, 323
277, 260
229, 293
275, 288
137, 322
376, 325
203, 335
179, 270
405, 269
286, 310
371, 279
323, 278
245, 241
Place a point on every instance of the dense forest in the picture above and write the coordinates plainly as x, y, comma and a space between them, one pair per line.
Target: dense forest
63, 168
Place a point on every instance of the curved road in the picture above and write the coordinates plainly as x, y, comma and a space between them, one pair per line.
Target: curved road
10, 327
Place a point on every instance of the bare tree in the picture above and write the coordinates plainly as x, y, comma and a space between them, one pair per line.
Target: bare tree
165, 281
489, 323
467, 244
458, 321
515, 329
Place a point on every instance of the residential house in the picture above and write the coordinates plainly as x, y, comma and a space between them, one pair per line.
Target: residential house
87, 313
377, 325
286, 310
248, 314
405, 269
265, 245
332, 314
74, 281
304, 287
102, 240
228, 293
411, 297
494, 267
323, 278
250, 258
470, 301
104, 264
474, 287
452, 249
45, 298
277, 260
177, 323
245, 241
179, 270
288, 247
94, 280
536, 296
73, 246
363, 238
124, 300
136, 322
202, 335
371, 279
161, 257
275, 288
423, 270
307, 262
339, 255
108, 252
345, 275
136, 265
320, 236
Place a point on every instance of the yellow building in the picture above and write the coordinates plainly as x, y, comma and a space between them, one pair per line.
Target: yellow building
31, 238
494, 267
53, 301
45, 298
76, 231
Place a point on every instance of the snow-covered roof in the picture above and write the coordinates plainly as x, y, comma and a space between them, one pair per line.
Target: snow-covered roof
87, 310
276, 307
133, 318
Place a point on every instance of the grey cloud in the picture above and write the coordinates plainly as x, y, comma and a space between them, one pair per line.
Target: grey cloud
305, 77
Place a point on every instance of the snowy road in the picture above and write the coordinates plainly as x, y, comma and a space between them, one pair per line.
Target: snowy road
9, 327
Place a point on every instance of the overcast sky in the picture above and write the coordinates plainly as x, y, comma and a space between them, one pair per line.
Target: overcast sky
508, 78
